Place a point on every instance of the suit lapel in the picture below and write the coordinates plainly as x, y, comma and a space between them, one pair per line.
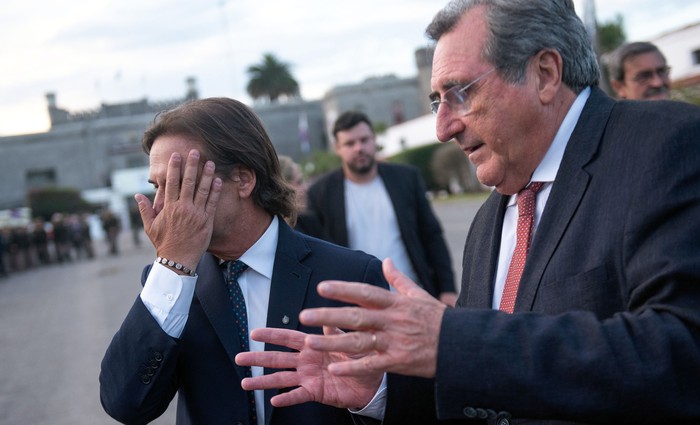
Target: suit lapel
482, 276
335, 197
290, 280
289, 286
393, 189
568, 190
213, 297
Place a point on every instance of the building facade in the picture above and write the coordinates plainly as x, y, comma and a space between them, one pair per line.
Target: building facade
79, 151
682, 50
85, 150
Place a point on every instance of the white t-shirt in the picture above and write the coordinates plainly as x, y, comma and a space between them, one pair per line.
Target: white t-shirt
372, 225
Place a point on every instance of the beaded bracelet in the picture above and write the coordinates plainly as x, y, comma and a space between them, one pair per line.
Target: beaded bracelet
177, 266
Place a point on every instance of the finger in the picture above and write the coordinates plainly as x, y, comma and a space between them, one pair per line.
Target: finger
205, 184
349, 343
158, 198
400, 282
283, 337
213, 198
271, 359
290, 398
172, 178
146, 210
362, 294
275, 380
189, 177
355, 318
330, 330
364, 366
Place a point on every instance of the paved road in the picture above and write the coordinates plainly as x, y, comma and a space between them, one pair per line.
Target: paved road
56, 321
456, 215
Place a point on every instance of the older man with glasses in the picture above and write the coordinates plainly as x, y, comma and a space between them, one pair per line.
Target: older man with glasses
580, 296
638, 71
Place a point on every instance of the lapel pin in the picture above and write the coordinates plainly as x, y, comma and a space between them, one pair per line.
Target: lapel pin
285, 319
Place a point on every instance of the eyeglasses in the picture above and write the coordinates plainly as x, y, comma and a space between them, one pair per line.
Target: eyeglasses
646, 76
456, 97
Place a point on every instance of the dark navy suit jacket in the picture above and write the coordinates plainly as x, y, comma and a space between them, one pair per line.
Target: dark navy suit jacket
610, 294
420, 230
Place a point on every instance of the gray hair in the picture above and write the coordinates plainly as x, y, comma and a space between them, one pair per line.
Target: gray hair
519, 29
615, 60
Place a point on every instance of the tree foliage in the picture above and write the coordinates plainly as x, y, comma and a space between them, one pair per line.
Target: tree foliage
46, 201
271, 79
320, 162
420, 157
611, 34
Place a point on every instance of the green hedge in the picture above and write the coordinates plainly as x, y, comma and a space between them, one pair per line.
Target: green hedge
420, 157
46, 201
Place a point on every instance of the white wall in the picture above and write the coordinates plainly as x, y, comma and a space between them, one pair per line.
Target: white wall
678, 47
410, 134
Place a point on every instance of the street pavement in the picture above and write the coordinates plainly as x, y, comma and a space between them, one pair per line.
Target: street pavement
56, 322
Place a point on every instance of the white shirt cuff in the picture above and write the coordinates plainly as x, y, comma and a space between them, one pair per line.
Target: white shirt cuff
168, 296
377, 406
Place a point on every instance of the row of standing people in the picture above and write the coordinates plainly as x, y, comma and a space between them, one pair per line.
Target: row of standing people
64, 238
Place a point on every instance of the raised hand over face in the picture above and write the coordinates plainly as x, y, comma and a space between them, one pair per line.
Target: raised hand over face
179, 223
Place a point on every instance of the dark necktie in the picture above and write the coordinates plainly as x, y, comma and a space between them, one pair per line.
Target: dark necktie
526, 219
234, 270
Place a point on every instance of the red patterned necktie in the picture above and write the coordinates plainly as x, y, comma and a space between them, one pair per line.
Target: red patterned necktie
235, 268
526, 219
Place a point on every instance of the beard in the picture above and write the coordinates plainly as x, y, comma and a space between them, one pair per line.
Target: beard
362, 168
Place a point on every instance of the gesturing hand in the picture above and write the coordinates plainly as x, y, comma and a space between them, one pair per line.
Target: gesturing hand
309, 372
402, 328
180, 224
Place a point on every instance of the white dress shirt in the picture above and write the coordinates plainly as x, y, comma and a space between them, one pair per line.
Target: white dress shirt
168, 296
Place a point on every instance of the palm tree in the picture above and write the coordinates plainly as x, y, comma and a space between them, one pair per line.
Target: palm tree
271, 79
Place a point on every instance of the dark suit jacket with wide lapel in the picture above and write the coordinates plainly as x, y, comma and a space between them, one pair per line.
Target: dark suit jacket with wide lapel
144, 367
611, 288
420, 230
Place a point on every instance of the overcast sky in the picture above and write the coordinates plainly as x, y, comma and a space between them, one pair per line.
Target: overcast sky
89, 52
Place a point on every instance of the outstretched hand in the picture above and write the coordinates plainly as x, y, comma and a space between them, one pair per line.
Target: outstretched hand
394, 332
309, 375
180, 221
402, 327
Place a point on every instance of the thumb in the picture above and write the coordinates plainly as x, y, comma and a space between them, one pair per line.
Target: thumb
400, 282
146, 210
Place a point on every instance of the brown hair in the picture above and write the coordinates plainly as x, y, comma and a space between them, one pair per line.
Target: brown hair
231, 135
348, 120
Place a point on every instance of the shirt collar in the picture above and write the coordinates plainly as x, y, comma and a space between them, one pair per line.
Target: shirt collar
261, 256
548, 168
